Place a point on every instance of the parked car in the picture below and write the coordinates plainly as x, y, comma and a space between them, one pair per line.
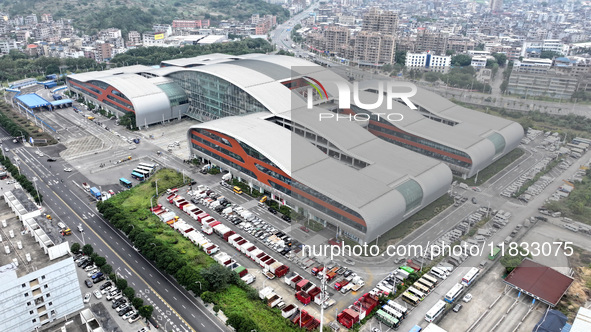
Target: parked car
134, 317
272, 210
88, 283
467, 297
97, 294
86, 297
129, 313
457, 307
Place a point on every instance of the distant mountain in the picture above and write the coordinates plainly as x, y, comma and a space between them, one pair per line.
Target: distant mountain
92, 15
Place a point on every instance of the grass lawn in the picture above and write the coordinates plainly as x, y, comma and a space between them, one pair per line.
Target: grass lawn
235, 300
232, 299
494, 168
415, 221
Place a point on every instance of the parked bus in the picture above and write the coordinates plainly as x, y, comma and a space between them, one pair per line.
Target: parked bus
470, 276
416, 293
407, 269
421, 287
392, 312
137, 176
494, 254
146, 174
147, 169
388, 320
439, 273
424, 283
398, 307
453, 293
430, 279
435, 311
152, 166
124, 182
410, 299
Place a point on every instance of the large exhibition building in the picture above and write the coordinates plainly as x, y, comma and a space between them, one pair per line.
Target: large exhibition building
276, 123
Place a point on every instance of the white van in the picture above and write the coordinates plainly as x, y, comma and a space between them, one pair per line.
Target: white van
438, 273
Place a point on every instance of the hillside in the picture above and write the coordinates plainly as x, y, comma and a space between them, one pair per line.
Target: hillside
92, 15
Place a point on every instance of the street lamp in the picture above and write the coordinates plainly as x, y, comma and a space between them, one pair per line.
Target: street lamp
199, 282
156, 187
119, 268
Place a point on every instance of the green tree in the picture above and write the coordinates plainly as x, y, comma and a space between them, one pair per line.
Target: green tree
87, 249
501, 58
107, 269
216, 276
431, 76
129, 293
100, 261
121, 283
146, 311
461, 60
75, 247
207, 297
137, 302
512, 258
241, 323
400, 57
549, 54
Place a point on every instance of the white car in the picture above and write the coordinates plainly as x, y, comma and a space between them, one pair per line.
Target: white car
134, 317
97, 294
86, 297
67, 169
129, 314
90, 268
467, 298
89, 274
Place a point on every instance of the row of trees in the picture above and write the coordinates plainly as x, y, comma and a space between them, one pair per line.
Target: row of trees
172, 253
154, 55
121, 284
17, 65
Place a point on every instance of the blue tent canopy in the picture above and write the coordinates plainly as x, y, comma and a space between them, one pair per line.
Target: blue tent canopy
33, 100
61, 102
554, 321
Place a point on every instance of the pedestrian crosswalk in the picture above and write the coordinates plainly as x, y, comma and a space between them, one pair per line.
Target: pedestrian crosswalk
6, 138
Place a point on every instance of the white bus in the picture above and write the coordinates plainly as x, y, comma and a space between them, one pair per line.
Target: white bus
421, 287
152, 166
453, 293
398, 307
392, 312
147, 169
430, 279
411, 299
439, 273
416, 293
435, 311
470, 276
146, 174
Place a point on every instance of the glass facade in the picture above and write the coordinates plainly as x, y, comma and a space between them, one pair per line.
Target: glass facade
176, 95
412, 192
211, 97
499, 141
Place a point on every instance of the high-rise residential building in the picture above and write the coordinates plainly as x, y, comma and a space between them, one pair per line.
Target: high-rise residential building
433, 42
336, 37
104, 52
496, 5
374, 48
38, 279
382, 21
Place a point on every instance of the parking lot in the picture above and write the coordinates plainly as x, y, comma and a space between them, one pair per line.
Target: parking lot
101, 304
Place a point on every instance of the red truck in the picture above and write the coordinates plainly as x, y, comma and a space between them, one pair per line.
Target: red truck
348, 317
303, 297
317, 269
314, 292
303, 319
295, 281
340, 284
302, 284
366, 303
281, 271
412, 264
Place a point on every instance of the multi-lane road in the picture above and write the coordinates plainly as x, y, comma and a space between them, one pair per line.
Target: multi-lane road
65, 201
